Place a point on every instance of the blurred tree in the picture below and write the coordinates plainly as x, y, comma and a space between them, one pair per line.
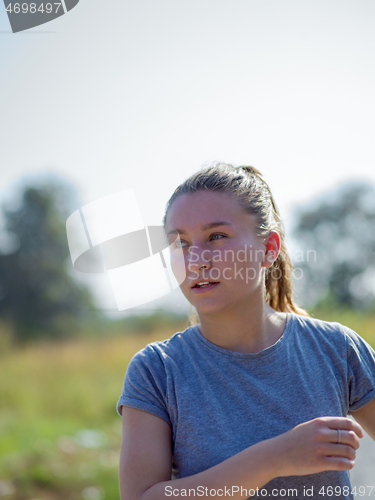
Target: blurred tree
37, 295
336, 248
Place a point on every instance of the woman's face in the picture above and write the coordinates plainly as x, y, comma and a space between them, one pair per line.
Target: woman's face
214, 231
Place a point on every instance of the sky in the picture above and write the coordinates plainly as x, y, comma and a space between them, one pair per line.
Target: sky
124, 94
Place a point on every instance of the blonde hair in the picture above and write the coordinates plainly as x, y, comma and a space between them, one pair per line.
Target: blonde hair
253, 194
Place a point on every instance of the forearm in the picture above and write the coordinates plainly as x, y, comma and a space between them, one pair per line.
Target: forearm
250, 469
308, 448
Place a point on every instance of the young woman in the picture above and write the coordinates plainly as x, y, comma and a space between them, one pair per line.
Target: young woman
254, 399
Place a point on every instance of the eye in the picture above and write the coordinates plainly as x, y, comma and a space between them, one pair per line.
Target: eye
182, 244
178, 243
217, 234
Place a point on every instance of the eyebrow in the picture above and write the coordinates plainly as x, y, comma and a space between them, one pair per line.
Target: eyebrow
210, 225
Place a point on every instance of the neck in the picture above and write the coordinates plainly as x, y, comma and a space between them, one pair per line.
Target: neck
247, 328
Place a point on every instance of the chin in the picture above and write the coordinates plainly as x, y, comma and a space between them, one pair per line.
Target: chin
208, 308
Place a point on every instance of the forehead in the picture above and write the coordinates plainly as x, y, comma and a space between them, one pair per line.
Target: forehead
193, 210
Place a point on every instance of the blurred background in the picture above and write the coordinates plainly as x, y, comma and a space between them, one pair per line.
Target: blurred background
141, 95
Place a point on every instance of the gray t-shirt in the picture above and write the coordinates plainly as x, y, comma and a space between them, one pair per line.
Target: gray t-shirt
218, 402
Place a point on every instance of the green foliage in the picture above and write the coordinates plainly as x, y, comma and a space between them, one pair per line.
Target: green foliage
37, 294
60, 434
338, 230
144, 324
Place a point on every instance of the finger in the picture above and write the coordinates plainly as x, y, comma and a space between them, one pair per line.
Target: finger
346, 437
340, 450
344, 423
338, 463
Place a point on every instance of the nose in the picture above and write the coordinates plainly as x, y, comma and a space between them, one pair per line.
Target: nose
198, 258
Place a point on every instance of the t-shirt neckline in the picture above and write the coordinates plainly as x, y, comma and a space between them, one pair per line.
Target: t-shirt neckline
261, 354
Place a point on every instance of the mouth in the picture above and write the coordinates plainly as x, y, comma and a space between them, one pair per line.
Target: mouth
205, 286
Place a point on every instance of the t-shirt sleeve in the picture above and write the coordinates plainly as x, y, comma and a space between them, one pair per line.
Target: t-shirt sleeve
361, 370
145, 384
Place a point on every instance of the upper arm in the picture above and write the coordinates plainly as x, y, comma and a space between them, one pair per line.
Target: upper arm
146, 452
366, 418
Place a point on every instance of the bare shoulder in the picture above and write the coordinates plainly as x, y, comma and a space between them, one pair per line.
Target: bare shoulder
146, 452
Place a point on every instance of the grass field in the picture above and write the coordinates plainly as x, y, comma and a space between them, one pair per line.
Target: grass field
59, 431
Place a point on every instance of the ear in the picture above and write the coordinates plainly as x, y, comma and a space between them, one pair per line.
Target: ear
272, 249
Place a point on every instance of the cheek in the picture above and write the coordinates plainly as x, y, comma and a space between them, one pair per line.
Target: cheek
243, 267
242, 255
178, 265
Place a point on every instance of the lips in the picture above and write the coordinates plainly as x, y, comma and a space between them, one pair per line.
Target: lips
202, 283
204, 286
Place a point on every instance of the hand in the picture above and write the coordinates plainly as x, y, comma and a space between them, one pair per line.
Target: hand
313, 447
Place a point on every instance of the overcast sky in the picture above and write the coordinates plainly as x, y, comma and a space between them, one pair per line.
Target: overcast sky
140, 94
